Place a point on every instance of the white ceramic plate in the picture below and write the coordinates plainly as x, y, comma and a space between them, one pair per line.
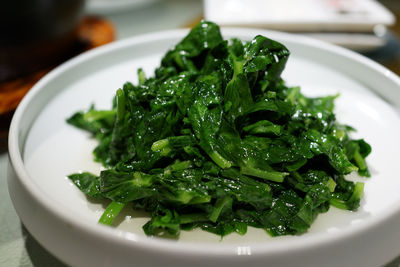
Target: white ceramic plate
305, 15
44, 149
114, 6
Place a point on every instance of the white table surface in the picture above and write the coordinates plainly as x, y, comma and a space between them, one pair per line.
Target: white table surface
17, 246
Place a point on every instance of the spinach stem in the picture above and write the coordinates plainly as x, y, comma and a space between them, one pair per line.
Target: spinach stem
194, 217
220, 160
120, 105
268, 175
219, 205
160, 144
338, 203
360, 161
111, 212
358, 191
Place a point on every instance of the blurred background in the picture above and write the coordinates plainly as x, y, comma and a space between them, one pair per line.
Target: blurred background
38, 35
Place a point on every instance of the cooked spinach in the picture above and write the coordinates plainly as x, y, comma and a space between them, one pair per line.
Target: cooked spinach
216, 140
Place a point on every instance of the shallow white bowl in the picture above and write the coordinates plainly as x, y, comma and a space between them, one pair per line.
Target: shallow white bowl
43, 149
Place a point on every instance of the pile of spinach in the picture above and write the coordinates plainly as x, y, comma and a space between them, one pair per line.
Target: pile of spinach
216, 140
